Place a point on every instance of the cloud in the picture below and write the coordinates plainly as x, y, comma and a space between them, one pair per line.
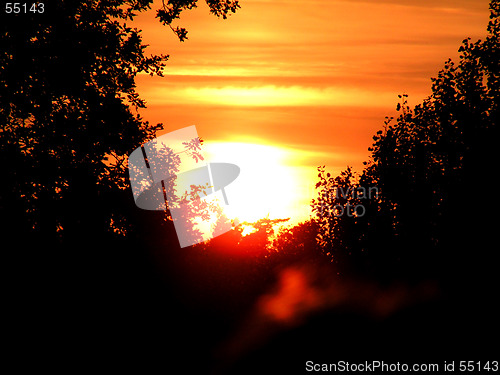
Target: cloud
267, 95
445, 5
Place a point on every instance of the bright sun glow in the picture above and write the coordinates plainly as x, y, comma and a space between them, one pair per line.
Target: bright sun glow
267, 185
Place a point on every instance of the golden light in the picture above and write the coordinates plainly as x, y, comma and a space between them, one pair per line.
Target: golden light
166, 93
278, 78
268, 185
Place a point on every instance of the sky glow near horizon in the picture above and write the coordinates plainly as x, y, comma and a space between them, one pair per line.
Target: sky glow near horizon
309, 81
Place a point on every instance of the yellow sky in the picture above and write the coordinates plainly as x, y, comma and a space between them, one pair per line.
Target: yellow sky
314, 78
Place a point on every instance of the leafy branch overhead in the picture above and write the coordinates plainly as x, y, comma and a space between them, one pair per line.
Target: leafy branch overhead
172, 9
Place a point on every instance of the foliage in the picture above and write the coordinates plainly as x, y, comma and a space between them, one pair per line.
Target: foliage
172, 9
296, 243
427, 166
69, 114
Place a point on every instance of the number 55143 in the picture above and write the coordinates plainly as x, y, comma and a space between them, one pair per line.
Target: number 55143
24, 8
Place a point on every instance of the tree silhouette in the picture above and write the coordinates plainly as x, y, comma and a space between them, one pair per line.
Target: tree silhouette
335, 207
434, 221
431, 166
297, 244
77, 247
69, 115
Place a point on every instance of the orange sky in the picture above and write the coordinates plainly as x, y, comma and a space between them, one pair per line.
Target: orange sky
312, 78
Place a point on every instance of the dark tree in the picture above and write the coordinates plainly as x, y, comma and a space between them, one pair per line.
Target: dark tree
69, 114
435, 220
434, 167
69, 118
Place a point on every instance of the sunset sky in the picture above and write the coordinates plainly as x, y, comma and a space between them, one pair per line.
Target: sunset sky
281, 87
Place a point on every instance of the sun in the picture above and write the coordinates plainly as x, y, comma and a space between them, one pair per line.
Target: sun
267, 184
